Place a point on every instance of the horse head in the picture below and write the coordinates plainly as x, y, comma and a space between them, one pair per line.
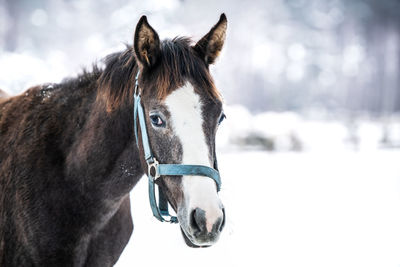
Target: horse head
182, 110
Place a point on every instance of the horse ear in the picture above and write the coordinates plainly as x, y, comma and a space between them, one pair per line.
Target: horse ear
211, 44
146, 43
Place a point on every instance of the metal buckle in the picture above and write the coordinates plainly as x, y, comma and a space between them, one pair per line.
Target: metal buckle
154, 165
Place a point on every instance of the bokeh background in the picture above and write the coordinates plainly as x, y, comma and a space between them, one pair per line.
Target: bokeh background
310, 150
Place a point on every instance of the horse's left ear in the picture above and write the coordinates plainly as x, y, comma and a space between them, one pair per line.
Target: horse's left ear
211, 44
146, 43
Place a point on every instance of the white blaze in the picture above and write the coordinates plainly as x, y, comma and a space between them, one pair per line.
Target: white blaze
187, 121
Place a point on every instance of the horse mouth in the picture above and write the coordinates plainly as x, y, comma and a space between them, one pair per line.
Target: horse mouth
189, 243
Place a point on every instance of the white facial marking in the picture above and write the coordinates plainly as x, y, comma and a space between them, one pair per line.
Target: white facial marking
187, 122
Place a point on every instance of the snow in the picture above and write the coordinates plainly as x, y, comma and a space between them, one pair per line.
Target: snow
290, 131
19, 71
288, 209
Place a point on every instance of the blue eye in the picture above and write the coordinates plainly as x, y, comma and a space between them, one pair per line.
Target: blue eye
221, 118
156, 120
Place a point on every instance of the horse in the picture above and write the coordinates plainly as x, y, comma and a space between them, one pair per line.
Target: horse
69, 158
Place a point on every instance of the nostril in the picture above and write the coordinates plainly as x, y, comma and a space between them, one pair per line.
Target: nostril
193, 223
197, 219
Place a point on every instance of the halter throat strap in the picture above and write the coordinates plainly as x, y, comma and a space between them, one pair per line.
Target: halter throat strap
156, 170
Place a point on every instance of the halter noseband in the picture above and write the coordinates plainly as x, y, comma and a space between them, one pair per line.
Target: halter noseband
155, 169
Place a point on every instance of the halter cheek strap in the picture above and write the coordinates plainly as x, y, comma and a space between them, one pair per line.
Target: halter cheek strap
156, 170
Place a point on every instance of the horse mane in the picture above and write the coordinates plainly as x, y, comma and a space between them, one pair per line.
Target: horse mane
178, 63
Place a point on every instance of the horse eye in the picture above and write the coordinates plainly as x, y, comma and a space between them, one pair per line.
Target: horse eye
156, 120
222, 118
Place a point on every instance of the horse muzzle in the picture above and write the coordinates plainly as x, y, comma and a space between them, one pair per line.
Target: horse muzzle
202, 228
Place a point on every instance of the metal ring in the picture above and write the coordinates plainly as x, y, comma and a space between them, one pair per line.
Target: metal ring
153, 169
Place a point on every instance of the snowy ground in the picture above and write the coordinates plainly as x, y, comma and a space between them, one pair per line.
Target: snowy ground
316, 208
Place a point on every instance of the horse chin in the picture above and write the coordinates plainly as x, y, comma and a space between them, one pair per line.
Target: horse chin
190, 243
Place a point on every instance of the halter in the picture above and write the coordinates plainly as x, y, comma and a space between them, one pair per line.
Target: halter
155, 170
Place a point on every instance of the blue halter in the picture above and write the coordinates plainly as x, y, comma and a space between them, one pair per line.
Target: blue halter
155, 169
